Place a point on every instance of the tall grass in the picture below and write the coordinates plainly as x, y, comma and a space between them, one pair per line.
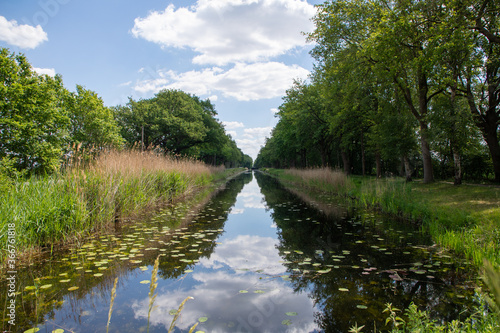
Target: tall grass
48, 210
329, 179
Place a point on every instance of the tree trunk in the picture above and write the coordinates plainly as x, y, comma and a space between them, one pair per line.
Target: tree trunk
488, 123
378, 164
491, 138
426, 154
457, 166
363, 165
346, 162
408, 170
420, 114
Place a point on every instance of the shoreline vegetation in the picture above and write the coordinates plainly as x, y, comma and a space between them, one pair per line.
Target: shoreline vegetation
63, 208
464, 219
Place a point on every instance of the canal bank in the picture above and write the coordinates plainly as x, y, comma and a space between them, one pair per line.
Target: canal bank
44, 213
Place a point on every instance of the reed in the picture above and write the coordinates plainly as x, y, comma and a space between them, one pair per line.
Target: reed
177, 315
330, 179
152, 288
111, 302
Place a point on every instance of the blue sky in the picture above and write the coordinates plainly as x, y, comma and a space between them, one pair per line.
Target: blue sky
242, 54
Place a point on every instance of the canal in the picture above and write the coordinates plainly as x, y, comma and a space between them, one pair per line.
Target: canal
256, 258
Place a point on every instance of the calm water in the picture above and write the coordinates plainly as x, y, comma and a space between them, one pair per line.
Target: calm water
256, 258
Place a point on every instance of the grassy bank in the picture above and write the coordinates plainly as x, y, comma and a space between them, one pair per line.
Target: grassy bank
62, 208
465, 219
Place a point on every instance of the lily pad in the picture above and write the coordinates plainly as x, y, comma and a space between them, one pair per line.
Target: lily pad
73, 288
343, 289
32, 330
45, 286
59, 330
202, 319
243, 291
291, 313
362, 307
145, 282
286, 322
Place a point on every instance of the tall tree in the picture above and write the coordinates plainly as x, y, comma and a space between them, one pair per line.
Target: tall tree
33, 122
91, 123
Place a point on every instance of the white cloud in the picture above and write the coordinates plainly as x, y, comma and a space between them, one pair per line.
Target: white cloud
213, 98
125, 84
24, 36
275, 110
230, 31
236, 211
254, 138
47, 71
244, 82
258, 132
250, 312
232, 124
257, 253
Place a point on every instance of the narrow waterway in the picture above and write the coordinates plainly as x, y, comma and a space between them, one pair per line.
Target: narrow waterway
256, 258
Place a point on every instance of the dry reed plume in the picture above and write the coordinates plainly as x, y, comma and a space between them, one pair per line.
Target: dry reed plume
335, 178
136, 162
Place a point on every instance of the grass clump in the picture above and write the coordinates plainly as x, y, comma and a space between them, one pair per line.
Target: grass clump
48, 210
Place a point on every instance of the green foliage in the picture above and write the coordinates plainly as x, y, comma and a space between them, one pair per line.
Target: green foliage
33, 123
389, 76
419, 321
179, 123
92, 125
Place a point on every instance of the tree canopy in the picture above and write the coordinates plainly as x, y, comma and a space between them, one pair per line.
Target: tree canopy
405, 86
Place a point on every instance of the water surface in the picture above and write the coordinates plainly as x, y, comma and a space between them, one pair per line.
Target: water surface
256, 258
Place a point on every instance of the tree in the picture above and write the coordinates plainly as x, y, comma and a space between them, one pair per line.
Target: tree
480, 80
91, 123
33, 122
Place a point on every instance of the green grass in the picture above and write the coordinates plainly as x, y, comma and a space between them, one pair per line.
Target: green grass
52, 210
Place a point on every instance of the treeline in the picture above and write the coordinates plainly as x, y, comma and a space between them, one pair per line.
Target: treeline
399, 87
43, 126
